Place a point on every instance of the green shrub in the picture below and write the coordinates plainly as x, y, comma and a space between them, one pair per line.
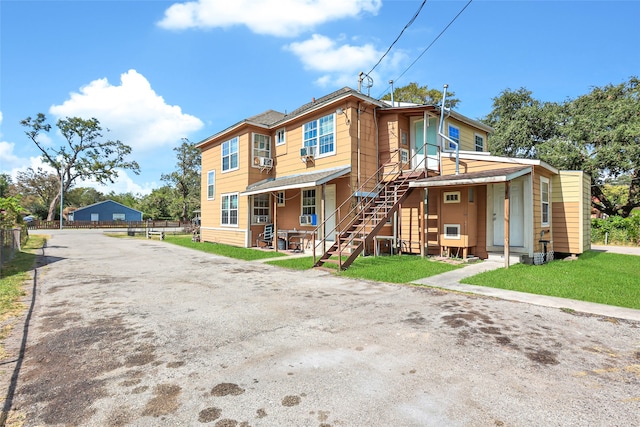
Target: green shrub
616, 229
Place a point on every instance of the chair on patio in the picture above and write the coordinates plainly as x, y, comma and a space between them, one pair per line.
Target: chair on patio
266, 236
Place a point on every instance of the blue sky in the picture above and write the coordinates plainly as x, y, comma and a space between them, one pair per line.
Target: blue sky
154, 72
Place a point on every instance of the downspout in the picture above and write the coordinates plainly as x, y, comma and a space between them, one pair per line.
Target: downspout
358, 183
445, 147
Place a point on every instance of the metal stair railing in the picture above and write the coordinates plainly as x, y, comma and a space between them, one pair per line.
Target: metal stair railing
360, 212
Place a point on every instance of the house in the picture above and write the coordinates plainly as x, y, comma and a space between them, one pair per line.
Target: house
359, 174
106, 211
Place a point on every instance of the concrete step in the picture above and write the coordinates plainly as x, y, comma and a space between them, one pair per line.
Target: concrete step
499, 257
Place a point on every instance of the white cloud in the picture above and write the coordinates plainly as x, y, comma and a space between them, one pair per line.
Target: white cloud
133, 112
338, 63
122, 184
284, 18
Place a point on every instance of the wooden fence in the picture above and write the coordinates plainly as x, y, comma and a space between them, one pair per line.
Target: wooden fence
49, 225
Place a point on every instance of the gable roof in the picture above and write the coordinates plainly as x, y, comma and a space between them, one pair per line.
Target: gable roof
103, 202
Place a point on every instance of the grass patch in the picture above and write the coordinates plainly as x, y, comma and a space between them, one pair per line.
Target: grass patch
229, 251
391, 269
604, 278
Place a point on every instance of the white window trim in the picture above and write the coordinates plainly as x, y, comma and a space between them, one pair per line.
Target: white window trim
222, 196
451, 193
284, 136
253, 148
475, 146
211, 173
404, 156
253, 210
315, 201
451, 237
544, 180
284, 200
222, 156
318, 155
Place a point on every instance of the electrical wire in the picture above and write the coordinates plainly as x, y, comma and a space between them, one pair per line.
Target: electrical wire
399, 35
430, 44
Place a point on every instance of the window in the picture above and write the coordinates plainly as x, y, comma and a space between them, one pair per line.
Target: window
261, 209
479, 142
452, 231
321, 135
119, 217
229, 209
404, 156
452, 197
309, 202
280, 137
404, 138
454, 134
211, 185
544, 200
230, 155
472, 195
280, 200
261, 145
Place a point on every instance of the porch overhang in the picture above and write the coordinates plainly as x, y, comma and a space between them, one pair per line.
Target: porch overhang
304, 180
473, 178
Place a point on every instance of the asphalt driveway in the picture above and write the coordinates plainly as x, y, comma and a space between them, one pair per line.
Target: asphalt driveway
145, 333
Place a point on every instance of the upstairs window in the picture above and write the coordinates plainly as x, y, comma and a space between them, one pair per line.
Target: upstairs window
261, 145
230, 155
281, 137
321, 135
479, 143
454, 134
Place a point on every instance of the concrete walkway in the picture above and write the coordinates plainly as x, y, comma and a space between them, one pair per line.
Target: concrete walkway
451, 280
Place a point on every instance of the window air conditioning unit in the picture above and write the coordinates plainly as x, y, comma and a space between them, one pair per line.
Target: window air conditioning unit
307, 152
306, 220
260, 219
263, 162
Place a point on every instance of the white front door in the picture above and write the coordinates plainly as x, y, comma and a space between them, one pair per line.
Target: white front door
516, 214
329, 208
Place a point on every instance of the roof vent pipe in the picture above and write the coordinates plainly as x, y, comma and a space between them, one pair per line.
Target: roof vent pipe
445, 147
392, 103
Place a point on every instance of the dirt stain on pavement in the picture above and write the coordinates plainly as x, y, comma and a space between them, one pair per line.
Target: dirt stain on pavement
164, 402
291, 400
209, 414
225, 389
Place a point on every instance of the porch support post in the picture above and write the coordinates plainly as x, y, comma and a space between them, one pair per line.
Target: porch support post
275, 220
506, 224
421, 222
324, 217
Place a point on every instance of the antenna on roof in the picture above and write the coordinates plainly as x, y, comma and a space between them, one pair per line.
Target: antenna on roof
369, 82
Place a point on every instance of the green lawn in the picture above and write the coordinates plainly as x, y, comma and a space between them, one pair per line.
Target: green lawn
236, 252
392, 269
604, 278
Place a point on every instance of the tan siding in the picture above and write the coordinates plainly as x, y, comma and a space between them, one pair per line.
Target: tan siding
467, 166
586, 212
467, 134
571, 209
233, 237
410, 222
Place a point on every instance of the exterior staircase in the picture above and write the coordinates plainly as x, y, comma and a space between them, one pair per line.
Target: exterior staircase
367, 219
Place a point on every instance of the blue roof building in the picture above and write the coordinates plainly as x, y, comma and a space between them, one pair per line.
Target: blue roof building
106, 211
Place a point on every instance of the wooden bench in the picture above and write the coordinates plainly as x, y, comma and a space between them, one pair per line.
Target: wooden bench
151, 233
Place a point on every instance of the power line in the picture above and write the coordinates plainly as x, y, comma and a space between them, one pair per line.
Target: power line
433, 42
399, 35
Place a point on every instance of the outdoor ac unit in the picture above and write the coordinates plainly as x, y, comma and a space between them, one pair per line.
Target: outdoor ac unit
261, 219
307, 152
306, 220
263, 162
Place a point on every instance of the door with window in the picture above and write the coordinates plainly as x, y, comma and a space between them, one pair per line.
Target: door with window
424, 151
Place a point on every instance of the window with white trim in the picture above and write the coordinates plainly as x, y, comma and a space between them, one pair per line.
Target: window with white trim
308, 202
230, 155
479, 140
229, 209
281, 137
280, 200
261, 209
119, 217
404, 156
545, 189
211, 185
451, 231
454, 134
321, 135
261, 145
